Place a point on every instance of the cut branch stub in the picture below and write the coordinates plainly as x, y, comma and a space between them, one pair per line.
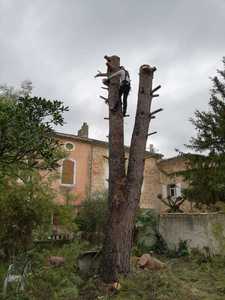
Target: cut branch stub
106, 99
151, 133
155, 112
156, 89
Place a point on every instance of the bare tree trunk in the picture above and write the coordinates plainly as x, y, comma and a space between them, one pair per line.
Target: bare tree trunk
139, 136
117, 179
124, 191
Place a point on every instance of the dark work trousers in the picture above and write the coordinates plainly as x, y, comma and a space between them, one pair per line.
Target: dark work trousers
123, 92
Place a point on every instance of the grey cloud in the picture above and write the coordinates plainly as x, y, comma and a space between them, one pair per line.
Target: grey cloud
59, 45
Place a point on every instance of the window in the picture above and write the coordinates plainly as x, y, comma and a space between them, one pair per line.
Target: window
68, 172
171, 190
69, 146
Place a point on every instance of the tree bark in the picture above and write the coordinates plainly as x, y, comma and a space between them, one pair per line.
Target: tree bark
124, 190
139, 136
117, 180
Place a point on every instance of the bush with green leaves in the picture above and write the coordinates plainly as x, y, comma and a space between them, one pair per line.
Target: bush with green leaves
92, 216
65, 215
24, 206
27, 138
146, 231
27, 146
147, 237
181, 251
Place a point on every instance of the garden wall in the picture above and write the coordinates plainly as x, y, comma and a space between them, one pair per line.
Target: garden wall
205, 231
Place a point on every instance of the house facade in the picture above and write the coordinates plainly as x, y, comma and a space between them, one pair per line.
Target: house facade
85, 171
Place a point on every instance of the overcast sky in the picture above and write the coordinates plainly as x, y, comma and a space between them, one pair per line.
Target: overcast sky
59, 45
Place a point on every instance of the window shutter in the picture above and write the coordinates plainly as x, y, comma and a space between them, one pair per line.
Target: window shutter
68, 168
164, 191
55, 220
178, 189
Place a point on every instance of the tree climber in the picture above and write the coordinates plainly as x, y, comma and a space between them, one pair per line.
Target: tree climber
124, 86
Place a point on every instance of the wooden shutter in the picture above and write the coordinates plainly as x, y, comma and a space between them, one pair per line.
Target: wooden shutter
178, 189
68, 168
55, 220
164, 191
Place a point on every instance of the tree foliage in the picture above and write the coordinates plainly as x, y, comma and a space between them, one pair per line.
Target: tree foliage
26, 135
206, 174
24, 205
92, 216
28, 149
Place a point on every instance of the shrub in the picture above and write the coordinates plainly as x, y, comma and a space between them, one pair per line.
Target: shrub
183, 248
146, 231
92, 216
23, 208
181, 251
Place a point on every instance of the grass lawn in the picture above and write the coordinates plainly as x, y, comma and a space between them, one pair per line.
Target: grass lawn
187, 278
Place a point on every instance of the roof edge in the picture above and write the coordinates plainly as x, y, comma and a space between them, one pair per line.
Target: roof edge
100, 143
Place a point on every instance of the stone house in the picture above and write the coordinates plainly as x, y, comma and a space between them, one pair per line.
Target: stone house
85, 171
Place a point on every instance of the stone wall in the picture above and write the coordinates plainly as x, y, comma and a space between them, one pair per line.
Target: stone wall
202, 231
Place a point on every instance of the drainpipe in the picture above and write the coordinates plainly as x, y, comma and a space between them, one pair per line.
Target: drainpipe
90, 172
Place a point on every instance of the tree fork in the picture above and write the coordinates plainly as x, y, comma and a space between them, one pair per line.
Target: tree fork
124, 191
